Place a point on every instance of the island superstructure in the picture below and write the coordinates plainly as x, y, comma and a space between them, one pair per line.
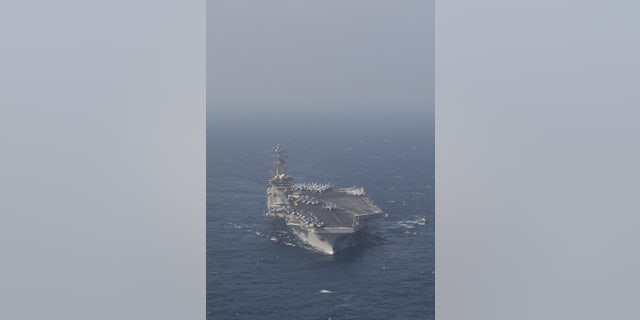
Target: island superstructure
319, 214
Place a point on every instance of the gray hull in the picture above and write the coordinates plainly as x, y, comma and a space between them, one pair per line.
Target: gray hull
321, 216
329, 242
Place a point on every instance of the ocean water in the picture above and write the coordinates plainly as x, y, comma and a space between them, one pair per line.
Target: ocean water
256, 269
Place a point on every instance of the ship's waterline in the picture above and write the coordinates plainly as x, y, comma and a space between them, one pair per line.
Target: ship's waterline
329, 242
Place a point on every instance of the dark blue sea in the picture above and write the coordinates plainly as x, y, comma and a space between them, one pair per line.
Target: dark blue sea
256, 269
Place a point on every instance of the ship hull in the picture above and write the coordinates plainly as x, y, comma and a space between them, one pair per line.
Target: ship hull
328, 242
321, 216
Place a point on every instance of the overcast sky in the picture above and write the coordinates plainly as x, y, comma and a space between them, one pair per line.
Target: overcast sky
303, 56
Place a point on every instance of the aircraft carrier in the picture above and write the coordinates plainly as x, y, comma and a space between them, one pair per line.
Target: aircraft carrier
319, 214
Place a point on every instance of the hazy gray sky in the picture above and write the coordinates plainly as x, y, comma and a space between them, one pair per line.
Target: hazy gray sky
303, 56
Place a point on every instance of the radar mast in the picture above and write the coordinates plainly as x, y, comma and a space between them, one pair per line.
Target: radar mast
279, 162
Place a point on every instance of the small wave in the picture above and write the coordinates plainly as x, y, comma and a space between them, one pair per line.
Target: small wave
290, 244
325, 291
406, 225
274, 239
410, 224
